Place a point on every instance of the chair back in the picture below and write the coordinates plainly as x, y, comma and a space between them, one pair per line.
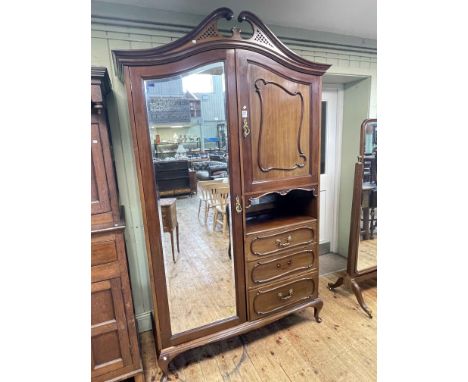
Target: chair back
205, 187
215, 193
221, 196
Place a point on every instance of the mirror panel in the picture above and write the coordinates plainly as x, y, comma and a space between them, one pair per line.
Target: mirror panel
189, 137
367, 250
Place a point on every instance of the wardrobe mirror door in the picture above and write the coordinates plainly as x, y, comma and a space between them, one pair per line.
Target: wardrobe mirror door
188, 131
367, 252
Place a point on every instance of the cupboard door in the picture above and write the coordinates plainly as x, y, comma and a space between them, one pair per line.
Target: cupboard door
279, 120
110, 349
100, 201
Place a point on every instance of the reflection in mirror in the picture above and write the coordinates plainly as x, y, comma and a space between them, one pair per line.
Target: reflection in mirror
367, 253
189, 133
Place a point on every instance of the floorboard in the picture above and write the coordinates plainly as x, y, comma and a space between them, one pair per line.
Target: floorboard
296, 348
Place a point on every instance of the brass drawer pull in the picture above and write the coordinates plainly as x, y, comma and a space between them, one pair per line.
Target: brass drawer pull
285, 297
281, 244
288, 264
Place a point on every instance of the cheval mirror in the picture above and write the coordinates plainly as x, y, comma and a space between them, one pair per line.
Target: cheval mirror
226, 131
362, 253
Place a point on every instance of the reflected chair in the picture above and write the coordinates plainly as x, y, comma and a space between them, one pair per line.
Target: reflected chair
204, 192
221, 199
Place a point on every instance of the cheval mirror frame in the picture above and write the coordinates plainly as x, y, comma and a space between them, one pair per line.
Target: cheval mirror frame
354, 275
293, 287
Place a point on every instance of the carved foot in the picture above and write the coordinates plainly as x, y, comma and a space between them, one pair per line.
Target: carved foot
357, 291
317, 309
338, 283
163, 363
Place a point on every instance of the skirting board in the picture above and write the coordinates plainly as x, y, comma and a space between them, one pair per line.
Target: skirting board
144, 322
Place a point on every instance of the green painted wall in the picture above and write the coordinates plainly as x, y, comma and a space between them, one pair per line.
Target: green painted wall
355, 110
124, 27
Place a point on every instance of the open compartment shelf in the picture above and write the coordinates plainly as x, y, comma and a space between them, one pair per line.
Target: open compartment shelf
275, 210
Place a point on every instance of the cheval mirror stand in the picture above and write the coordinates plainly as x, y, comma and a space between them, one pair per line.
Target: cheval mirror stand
362, 249
240, 115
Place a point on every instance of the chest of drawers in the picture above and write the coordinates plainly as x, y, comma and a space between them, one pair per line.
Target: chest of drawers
281, 264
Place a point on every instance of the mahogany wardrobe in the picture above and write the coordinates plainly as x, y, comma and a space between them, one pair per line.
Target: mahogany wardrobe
240, 113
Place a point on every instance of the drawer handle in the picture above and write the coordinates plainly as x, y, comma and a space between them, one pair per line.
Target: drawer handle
288, 264
285, 297
285, 243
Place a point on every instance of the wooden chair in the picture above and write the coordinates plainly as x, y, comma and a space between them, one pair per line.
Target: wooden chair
221, 198
204, 192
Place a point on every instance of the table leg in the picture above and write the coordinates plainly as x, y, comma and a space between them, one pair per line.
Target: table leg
177, 233
172, 245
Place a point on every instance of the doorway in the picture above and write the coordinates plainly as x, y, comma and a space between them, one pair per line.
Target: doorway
330, 164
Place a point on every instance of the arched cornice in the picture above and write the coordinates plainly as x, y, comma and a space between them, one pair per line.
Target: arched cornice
206, 36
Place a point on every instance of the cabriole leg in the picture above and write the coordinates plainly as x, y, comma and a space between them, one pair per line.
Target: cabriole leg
358, 293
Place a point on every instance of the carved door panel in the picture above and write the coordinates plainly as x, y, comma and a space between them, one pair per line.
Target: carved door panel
277, 107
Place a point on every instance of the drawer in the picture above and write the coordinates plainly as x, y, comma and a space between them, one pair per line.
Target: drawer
280, 296
274, 269
103, 250
169, 216
278, 241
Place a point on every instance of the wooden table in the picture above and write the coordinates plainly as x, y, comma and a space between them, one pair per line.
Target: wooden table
169, 220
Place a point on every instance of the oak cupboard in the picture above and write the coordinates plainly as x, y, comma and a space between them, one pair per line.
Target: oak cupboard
268, 98
114, 345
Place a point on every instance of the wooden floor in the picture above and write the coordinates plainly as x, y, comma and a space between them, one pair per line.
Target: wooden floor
296, 348
201, 282
367, 256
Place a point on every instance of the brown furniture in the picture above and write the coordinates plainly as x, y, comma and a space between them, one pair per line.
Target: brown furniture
272, 100
364, 200
173, 177
192, 181
114, 343
368, 205
169, 221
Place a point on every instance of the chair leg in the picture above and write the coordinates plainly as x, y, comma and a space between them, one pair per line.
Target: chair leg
207, 208
215, 218
224, 224
199, 207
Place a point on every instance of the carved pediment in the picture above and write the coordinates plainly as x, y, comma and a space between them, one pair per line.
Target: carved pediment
207, 36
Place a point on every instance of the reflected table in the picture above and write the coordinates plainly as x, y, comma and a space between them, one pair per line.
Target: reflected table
169, 220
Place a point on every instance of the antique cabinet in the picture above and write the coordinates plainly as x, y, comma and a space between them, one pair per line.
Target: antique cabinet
269, 100
114, 344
